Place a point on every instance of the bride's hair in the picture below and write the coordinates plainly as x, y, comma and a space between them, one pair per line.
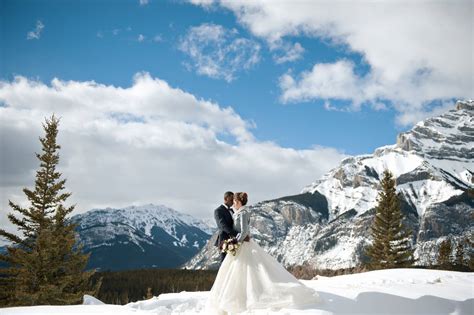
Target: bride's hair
242, 197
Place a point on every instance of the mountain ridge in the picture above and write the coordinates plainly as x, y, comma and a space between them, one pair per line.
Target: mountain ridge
146, 236
332, 232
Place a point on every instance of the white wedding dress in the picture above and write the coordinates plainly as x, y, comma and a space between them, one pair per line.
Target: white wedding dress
252, 279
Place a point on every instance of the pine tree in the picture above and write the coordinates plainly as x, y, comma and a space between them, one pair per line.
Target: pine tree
149, 293
460, 254
470, 251
44, 264
391, 245
444, 254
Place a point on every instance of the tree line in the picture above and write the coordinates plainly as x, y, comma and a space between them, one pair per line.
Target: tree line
122, 287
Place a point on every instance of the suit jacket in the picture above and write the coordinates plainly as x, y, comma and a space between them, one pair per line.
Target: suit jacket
225, 224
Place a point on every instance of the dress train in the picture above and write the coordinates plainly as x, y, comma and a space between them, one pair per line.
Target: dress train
253, 279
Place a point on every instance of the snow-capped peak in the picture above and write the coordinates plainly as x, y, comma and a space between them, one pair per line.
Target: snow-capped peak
328, 224
442, 146
145, 217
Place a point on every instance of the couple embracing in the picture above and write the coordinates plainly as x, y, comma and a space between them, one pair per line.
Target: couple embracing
251, 279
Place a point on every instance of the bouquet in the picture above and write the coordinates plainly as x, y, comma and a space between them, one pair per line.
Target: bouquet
230, 246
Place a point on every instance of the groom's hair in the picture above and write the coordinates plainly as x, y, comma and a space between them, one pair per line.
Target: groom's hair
228, 194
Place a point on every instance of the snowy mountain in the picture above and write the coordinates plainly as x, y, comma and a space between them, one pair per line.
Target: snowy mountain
140, 237
328, 224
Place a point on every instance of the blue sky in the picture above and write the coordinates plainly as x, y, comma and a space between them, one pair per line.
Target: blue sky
175, 102
70, 49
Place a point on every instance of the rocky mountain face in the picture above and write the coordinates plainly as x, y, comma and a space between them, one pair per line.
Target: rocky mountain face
328, 224
147, 236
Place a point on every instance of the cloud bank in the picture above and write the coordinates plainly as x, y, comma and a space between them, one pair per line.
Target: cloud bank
148, 142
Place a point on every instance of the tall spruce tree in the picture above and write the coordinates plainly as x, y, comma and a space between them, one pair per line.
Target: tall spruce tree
391, 247
45, 265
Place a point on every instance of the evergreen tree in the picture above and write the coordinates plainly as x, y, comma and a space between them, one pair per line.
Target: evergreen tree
460, 254
149, 293
44, 264
470, 251
391, 245
444, 254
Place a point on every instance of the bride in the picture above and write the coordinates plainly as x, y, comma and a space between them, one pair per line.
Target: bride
252, 279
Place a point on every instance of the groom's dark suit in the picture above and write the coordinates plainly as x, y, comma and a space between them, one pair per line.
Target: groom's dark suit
225, 224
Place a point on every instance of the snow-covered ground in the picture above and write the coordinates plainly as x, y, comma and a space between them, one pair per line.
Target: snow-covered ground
393, 291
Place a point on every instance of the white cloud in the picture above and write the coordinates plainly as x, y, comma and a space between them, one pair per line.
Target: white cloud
286, 52
203, 3
144, 2
330, 107
326, 81
417, 51
120, 33
145, 143
218, 52
36, 33
411, 117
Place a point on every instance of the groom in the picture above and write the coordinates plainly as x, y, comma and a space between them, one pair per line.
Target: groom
224, 221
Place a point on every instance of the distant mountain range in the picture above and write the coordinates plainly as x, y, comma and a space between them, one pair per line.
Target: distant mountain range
328, 224
147, 236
